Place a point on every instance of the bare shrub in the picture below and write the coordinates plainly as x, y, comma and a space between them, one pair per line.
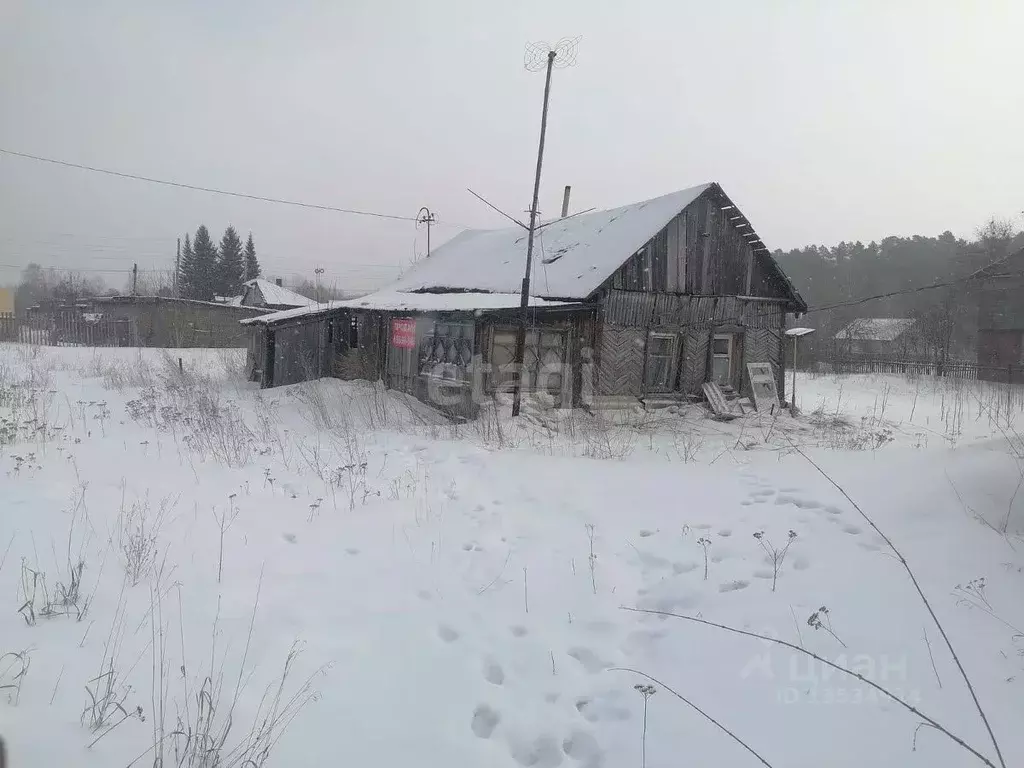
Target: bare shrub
120, 375
139, 536
225, 518
209, 731
840, 434
775, 556
107, 692
316, 407
13, 670
38, 601
822, 619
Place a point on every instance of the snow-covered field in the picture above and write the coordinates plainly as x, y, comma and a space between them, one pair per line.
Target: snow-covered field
199, 573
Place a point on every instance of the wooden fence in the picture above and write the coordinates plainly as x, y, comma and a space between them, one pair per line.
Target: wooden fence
69, 331
951, 369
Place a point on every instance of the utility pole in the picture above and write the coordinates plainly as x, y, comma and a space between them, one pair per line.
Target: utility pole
135, 279
424, 216
318, 271
565, 54
177, 269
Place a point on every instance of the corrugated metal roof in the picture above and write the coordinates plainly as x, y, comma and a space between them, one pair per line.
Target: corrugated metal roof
876, 328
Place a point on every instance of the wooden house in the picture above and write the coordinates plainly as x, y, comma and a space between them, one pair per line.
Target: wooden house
873, 337
641, 303
271, 295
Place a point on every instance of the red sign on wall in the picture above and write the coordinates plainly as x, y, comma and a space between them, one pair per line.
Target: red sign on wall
403, 333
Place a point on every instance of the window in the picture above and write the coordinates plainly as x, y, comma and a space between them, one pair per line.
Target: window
447, 351
661, 362
543, 358
721, 359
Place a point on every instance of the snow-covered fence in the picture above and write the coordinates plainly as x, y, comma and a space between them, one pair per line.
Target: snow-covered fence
951, 369
70, 331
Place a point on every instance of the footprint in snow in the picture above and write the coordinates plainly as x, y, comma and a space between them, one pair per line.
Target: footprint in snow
352, 550
590, 660
685, 567
542, 752
801, 564
485, 720
725, 532
289, 537
644, 533
797, 502
853, 530
447, 634
493, 673
670, 604
602, 708
518, 630
733, 586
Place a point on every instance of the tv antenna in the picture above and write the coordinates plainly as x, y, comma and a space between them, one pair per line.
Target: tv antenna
538, 56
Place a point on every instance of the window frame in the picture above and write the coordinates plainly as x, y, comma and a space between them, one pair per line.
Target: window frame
446, 339
671, 371
539, 340
727, 356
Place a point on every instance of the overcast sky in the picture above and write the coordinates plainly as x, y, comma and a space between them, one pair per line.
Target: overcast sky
823, 120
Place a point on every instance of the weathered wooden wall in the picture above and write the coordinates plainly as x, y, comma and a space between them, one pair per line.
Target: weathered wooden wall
709, 249
628, 317
301, 352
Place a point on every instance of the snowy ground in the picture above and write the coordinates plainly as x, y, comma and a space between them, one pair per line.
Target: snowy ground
455, 596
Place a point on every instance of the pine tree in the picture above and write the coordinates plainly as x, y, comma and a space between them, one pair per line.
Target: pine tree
252, 266
204, 278
186, 269
230, 265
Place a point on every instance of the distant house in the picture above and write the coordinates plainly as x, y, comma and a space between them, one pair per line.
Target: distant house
1000, 296
878, 337
646, 302
158, 321
272, 295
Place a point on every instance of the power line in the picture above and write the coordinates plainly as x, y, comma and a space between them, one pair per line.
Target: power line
902, 292
211, 190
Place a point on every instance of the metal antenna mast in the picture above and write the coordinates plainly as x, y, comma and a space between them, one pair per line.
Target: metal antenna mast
426, 217
538, 56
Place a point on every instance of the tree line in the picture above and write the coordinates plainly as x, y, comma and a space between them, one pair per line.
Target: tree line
206, 270
850, 271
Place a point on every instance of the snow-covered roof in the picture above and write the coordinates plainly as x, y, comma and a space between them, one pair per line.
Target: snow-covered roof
394, 301
572, 256
876, 328
276, 295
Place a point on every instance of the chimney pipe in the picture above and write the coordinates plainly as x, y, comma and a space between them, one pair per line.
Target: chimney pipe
277, 281
565, 201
